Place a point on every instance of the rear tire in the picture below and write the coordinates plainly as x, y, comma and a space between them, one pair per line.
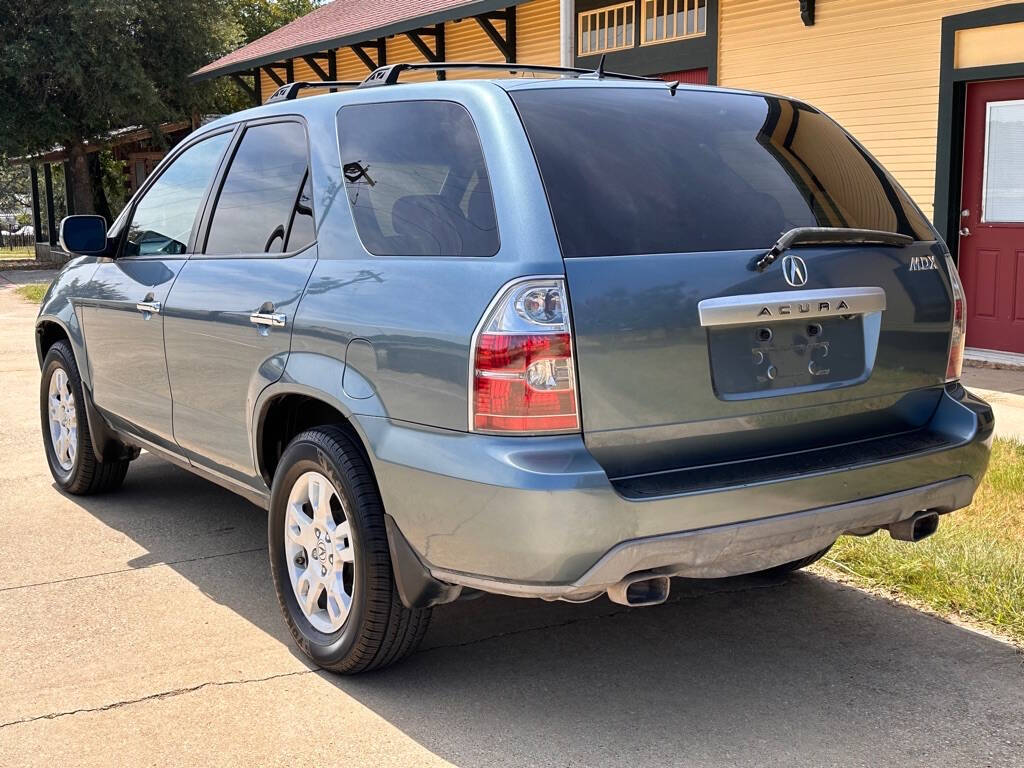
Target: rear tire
311, 530
796, 565
73, 464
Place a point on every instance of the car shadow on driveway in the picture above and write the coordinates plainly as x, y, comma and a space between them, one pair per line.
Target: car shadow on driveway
745, 671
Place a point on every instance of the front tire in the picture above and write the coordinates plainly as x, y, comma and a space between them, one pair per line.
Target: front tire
329, 558
73, 464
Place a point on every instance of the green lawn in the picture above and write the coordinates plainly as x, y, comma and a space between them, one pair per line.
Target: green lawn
33, 292
21, 252
973, 566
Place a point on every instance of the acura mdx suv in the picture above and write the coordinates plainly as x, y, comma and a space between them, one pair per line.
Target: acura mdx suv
552, 337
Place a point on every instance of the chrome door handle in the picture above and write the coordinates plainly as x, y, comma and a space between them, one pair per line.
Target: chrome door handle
269, 319
965, 232
148, 307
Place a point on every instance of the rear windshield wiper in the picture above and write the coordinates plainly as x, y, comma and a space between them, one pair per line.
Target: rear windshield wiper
829, 235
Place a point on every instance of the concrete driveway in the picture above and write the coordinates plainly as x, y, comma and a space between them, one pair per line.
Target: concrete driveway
140, 628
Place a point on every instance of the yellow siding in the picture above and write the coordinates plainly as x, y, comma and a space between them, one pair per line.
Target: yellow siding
873, 65
537, 33
985, 46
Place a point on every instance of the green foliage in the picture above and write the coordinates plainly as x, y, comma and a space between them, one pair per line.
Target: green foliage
15, 187
261, 17
75, 69
33, 292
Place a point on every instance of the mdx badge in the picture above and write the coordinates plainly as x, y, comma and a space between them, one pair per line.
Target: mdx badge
794, 270
921, 263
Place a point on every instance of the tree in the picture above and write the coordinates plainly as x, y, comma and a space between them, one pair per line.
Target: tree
261, 17
15, 187
74, 70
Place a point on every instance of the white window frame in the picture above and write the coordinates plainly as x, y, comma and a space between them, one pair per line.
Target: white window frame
671, 8
984, 163
605, 21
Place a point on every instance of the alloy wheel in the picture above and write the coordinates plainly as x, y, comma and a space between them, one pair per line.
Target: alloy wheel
63, 419
319, 552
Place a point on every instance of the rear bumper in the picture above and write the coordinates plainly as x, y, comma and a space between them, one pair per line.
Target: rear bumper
539, 517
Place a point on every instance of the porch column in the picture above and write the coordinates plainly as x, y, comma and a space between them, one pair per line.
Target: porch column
69, 192
51, 225
37, 223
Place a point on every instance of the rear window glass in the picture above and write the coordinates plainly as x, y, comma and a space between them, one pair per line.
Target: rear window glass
416, 179
631, 171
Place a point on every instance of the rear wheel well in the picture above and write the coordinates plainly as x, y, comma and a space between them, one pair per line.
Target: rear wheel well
288, 415
48, 334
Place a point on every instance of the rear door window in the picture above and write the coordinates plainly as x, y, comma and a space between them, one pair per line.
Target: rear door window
265, 203
648, 172
416, 179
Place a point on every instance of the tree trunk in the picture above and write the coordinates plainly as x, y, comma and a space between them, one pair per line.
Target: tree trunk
80, 181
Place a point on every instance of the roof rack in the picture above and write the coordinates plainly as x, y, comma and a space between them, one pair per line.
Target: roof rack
388, 75
289, 91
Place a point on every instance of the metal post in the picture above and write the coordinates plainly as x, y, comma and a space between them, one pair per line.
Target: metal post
51, 225
37, 219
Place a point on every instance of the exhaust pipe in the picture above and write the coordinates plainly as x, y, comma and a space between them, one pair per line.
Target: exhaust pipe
640, 589
918, 526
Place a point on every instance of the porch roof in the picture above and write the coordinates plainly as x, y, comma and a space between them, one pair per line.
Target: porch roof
341, 23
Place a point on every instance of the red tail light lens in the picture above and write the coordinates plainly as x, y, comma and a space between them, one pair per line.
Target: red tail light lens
524, 379
958, 338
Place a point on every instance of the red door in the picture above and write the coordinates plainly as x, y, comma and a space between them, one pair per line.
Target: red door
992, 215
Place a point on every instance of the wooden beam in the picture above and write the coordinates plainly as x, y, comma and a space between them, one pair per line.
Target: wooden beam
245, 86
37, 217
332, 66
51, 225
317, 69
269, 70
289, 70
807, 12
506, 45
69, 190
423, 48
363, 57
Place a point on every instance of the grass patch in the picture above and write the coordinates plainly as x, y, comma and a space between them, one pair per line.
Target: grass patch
33, 292
17, 254
973, 566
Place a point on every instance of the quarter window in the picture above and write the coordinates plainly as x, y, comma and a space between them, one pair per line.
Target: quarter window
265, 203
416, 179
162, 221
606, 29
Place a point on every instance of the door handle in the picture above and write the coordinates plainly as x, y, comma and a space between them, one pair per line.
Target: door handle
148, 308
269, 319
965, 232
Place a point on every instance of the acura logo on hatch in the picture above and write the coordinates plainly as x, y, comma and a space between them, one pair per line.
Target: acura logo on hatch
794, 270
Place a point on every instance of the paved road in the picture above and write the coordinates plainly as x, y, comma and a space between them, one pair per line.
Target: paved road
141, 628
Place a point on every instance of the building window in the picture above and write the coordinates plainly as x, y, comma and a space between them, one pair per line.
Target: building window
665, 20
606, 29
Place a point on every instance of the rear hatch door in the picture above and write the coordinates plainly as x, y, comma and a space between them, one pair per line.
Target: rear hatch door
688, 354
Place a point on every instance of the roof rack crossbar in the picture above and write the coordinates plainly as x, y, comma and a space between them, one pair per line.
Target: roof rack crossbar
388, 75
289, 91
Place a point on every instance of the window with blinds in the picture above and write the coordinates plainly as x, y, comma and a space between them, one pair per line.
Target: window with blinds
665, 20
606, 29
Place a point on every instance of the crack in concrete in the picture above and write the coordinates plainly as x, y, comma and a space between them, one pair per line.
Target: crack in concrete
157, 696
130, 570
511, 633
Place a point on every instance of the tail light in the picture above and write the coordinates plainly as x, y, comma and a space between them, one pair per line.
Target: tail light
523, 378
958, 338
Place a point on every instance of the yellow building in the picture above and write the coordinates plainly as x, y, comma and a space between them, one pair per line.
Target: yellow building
933, 88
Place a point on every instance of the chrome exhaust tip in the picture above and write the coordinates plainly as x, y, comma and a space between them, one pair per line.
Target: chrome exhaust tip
918, 526
640, 589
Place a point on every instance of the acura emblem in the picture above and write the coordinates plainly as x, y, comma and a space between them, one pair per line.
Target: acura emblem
794, 270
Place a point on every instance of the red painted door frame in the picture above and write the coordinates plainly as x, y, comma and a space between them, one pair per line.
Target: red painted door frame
992, 254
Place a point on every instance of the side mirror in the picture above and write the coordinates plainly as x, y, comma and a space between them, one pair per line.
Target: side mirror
83, 235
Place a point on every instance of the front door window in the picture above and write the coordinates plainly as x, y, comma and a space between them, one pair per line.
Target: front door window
1003, 196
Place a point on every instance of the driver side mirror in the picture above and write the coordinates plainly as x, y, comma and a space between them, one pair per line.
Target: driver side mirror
84, 235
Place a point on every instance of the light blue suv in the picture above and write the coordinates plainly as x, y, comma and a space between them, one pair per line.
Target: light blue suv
552, 337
